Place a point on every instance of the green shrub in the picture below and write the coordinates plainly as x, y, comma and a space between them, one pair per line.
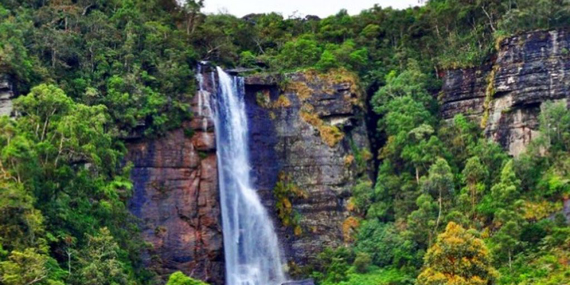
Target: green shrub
178, 278
362, 262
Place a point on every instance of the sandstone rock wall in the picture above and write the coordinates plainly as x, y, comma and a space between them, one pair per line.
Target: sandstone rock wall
464, 92
286, 142
506, 96
176, 199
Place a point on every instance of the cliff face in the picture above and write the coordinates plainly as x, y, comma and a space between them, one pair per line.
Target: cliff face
507, 96
6, 95
311, 139
305, 144
176, 199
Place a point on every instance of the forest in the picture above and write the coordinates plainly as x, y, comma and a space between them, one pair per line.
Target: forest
91, 73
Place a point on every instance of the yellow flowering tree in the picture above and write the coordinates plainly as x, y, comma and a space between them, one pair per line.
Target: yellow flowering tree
457, 258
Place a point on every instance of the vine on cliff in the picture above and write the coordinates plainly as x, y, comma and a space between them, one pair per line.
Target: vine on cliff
286, 192
489, 94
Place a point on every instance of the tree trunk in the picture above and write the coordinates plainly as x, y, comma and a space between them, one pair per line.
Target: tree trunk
68, 262
439, 213
472, 199
417, 176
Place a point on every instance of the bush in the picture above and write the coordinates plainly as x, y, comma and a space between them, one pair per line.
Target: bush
362, 262
385, 245
178, 278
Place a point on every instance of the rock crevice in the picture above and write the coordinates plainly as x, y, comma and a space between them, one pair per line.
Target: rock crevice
7, 94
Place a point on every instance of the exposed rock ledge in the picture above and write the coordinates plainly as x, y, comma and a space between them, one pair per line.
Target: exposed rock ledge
6, 95
530, 69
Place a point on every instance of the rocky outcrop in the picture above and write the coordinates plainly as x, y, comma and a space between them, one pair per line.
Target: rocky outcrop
464, 92
506, 97
176, 199
6, 95
312, 137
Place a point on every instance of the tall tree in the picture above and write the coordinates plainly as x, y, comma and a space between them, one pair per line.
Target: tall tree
99, 262
178, 278
191, 12
474, 176
457, 257
440, 183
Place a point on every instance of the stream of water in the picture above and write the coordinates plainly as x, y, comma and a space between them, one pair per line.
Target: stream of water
252, 253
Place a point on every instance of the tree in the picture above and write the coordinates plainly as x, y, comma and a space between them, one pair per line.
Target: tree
15, 59
461, 137
385, 245
411, 82
362, 195
506, 191
422, 221
532, 14
507, 240
422, 149
59, 161
98, 261
191, 11
554, 127
45, 104
178, 278
327, 61
439, 182
474, 176
20, 223
507, 214
362, 262
300, 52
25, 267
458, 257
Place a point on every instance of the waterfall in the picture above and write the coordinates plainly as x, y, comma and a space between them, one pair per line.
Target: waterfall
252, 253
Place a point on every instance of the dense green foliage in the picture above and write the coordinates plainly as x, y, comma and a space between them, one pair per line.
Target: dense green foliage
178, 278
97, 71
441, 34
127, 55
87, 73
63, 195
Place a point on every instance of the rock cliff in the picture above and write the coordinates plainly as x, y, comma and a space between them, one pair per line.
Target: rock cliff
506, 95
6, 95
176, 199
309, 145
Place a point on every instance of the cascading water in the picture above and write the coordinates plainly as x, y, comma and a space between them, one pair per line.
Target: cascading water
251, 247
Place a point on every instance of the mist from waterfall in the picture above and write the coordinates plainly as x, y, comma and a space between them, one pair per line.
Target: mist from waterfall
252, 254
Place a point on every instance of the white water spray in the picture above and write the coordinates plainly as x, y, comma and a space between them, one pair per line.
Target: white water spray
251, 247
